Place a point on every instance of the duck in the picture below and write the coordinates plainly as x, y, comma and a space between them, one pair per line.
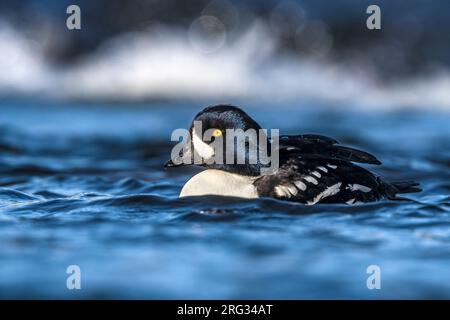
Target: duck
311, 168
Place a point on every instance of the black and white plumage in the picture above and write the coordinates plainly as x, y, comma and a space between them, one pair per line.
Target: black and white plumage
312, 168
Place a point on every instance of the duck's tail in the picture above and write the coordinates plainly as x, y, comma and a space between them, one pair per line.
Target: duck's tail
406, 186
391, 189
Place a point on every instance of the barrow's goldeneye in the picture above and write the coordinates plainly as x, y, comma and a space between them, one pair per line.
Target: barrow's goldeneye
312, 168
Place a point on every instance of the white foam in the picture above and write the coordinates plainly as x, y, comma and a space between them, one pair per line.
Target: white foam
163, 63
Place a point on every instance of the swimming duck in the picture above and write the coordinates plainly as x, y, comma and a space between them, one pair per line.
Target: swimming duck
311, 168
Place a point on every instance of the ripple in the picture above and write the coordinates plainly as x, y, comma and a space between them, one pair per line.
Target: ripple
104, 201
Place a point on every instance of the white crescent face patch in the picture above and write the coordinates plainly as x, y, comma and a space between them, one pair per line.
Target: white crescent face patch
202, 148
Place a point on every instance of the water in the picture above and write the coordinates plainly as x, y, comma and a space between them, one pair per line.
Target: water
84, 185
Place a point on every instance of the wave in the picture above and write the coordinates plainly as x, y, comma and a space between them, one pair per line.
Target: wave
166, 63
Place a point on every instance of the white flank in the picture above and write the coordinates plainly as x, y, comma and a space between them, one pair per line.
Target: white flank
351, 201
332, 166
330, 191
323, 169
280, 191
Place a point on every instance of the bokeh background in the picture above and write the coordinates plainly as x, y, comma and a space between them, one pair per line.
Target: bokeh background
144, 50
85, 123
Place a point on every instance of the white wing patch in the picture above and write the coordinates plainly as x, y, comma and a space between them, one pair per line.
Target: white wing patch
332, 166
330, 191
323, 169
311, 180
317, 174
300, 185
286, 190
358, 187
292, 189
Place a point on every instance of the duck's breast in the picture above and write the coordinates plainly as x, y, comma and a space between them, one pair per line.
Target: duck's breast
217, 182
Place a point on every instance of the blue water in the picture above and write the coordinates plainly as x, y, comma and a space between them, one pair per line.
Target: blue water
83, 184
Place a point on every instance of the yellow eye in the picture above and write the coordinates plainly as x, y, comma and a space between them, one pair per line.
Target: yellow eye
217, 133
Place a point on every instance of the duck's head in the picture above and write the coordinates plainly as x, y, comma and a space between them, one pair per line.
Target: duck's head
214, 138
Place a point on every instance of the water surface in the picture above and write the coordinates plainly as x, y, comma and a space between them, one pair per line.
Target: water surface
84, 184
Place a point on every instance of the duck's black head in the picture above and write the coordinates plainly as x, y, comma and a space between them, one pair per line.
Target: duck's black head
216, 137
224, 117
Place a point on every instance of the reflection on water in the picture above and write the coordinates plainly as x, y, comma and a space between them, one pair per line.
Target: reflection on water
85, 185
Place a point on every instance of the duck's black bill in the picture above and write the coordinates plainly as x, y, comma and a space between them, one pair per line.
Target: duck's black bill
170, 164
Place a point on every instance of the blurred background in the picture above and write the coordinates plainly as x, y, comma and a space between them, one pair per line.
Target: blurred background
86, 118
225, 50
